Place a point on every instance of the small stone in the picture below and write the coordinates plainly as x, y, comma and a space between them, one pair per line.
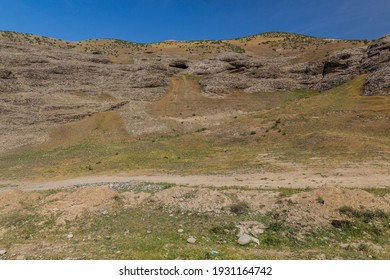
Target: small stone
69, 236
244, 239
3, 252
191, 240
105, 212
108, 237
180, 230
148, 232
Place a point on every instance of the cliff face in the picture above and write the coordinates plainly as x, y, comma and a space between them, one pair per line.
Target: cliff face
376, 64
270, 74
26, 68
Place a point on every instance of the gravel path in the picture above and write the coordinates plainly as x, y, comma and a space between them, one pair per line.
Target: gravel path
367, 176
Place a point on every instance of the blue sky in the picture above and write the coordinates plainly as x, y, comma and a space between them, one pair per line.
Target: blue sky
157, 20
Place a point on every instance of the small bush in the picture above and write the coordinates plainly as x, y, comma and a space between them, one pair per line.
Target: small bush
320, 200
239, 208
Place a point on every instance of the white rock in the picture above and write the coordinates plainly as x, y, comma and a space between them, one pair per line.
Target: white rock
244, 239
191, 240
180, 230
69, 236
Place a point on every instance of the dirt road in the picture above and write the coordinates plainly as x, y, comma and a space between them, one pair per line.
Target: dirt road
352, 177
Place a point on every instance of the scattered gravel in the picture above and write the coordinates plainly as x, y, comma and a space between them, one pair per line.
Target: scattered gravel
124, 186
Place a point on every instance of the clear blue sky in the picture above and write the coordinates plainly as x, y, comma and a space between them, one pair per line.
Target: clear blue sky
158, 20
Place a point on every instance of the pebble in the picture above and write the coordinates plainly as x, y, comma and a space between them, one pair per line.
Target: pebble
108, 237
191, 240
180, 230
3, 252
69, 236
148, 232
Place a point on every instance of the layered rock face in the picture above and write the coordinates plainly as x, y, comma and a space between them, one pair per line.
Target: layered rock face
377, 66
240, 71
48, 70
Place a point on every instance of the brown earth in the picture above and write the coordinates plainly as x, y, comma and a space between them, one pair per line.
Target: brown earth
314, 208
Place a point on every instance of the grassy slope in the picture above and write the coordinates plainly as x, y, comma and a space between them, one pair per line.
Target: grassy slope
338, 125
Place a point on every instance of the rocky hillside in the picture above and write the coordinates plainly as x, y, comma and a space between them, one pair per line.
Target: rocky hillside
32, 64
45, 82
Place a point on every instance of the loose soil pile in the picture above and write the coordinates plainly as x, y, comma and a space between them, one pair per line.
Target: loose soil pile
316, 208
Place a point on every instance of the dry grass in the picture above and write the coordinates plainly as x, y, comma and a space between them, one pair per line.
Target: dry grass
104, 127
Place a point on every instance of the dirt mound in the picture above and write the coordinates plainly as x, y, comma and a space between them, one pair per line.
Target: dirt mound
134, 199
17, 200
193, 199
86, 200
319, 207
257, 201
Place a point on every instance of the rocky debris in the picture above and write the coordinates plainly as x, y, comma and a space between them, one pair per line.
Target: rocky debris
251, 227
377, 66
69, 235
247, 230
124, 186
200, 200
3, 252
191, 240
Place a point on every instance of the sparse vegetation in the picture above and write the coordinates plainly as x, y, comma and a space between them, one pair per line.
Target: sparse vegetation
272, 148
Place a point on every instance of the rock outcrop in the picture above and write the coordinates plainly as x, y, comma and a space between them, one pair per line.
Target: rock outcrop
376, 65
339, 68
49, 70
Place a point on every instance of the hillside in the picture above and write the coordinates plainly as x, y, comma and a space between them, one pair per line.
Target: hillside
198, 143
